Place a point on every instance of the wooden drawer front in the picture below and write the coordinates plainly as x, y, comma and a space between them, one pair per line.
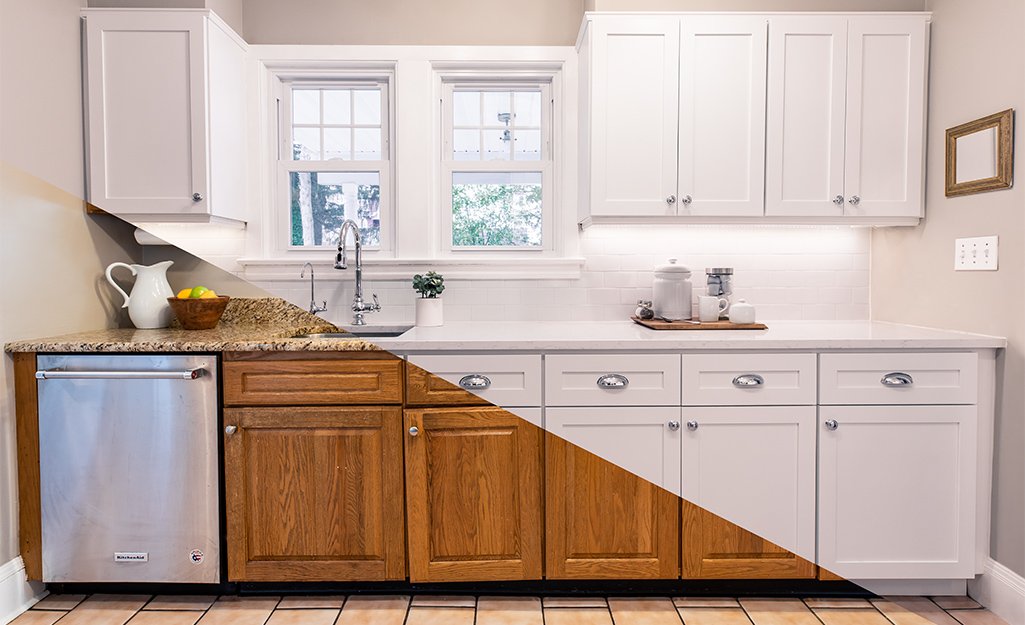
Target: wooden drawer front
648, 380
850, 379
771, 380
312, 382
512, 380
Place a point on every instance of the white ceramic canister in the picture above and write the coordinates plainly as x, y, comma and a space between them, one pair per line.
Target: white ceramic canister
671, 291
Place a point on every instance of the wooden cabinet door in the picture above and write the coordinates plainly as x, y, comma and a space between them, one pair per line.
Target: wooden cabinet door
722, 116
603, 522
886, 90
314, 494
634, 96
897, 491
473, 495
805, 118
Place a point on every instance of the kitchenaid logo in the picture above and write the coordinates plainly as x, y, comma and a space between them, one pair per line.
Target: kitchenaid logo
131, 556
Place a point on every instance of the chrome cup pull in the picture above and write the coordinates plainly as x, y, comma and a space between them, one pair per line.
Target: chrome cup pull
897, 378
748, 380
831, 424
613, 380
475, 382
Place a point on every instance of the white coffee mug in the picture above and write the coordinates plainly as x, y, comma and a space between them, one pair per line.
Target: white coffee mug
710, 307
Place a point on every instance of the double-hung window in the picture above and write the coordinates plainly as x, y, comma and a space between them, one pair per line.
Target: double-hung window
335, 159
496, 166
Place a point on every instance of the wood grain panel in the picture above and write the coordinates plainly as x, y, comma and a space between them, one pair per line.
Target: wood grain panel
312, 382
426, 389
473, 495
314, 494
714, 548
27, 418
603, 522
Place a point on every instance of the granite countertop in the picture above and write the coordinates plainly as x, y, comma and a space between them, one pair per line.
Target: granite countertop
248, 324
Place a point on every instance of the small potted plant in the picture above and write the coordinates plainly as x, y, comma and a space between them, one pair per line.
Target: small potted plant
428, 306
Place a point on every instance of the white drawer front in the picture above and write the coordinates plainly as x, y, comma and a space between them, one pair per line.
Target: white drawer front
749, 380
929, 378
612, 380
513, 379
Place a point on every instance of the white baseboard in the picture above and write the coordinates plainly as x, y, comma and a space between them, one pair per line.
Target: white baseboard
1002, 591
17, 594
901, 587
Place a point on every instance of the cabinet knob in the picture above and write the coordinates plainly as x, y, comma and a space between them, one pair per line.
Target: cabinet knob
897, 378
686, 199
671, 199
413, 431
197, 197
831, 424
692, 425
613, 380
673, 426
854, 200
838, 200
230, 429
475, 382
748, 379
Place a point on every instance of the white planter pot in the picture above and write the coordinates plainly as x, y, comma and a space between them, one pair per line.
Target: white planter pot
428, 312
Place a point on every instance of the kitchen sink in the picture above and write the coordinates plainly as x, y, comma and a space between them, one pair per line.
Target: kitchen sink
355, 332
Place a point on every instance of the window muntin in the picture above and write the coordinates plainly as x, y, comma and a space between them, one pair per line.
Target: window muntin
337, 124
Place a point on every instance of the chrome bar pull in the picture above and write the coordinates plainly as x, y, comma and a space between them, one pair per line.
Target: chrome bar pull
897, 378
475, 382
613, 381
60, 374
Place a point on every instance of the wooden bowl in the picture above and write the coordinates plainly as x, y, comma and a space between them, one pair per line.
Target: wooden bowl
199, 314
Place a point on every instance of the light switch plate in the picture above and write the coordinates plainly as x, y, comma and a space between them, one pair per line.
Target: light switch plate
976, 254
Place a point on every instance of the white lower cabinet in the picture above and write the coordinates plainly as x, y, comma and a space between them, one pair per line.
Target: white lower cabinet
897, 491
642, 440
754, 466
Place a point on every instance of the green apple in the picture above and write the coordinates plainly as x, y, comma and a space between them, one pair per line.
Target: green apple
197, 292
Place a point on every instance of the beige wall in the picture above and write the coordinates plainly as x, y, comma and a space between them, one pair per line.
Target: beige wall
977, 68
189, 270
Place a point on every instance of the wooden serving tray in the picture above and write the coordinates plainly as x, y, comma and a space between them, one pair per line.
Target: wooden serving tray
657, 324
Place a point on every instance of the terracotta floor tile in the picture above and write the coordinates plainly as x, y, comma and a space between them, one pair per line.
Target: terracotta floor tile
714, 616
444, 601
181, 602
643, 611
509, 611
956, 603
374, 610
578, 616
239, 611
314, 616
38, 617
836, 602
970, 617
912, 611
575, 602
166, 617
779, 612
439, 616
312, 601
59, 602
705, 602
105, 610
851, 616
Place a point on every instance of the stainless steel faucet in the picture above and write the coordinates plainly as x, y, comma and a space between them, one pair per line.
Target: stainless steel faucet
358, 305
314, 308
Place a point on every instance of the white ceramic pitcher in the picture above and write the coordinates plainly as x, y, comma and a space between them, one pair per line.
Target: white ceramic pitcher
147, 305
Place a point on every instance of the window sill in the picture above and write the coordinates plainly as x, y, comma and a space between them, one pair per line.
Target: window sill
258, 269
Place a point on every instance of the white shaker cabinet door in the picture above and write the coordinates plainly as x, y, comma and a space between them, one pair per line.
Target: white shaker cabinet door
897, 491
722, 115
886, 66
642, 440
754, 466
634, 99
805, 134
146, 77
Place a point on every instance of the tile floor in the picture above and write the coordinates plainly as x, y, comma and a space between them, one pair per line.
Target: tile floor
463, 610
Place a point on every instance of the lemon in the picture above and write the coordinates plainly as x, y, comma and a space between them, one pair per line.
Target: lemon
184, 294
197, 292
208, 294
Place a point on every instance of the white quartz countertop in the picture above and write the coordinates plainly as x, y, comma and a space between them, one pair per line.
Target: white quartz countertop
627, 335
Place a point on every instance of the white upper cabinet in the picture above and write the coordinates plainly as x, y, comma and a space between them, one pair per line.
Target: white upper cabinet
633, 94
722, 116
165, 102
846, 117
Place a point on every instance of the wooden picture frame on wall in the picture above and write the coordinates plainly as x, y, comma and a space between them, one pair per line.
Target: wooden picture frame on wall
980, 155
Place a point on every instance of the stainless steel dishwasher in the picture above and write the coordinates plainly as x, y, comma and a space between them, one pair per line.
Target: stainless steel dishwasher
128, 468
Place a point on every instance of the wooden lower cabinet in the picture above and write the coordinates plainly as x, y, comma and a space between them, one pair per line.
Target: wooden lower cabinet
314, 493
473, 495
714, 548
603, 522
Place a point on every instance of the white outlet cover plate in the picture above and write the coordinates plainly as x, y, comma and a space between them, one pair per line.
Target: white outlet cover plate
976, 254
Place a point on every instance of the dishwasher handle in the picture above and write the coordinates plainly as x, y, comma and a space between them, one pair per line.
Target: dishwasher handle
60, 374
